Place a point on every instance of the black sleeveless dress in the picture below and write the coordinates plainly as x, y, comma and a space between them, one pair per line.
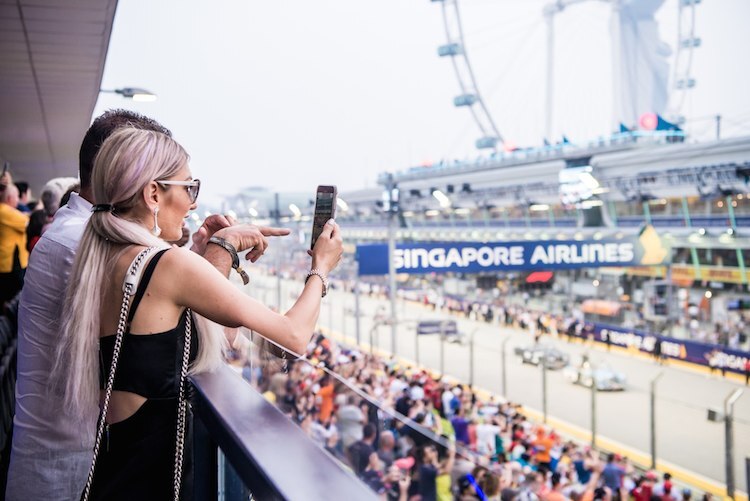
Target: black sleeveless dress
136, 457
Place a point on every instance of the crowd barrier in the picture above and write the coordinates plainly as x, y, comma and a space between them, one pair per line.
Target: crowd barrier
713, 356
710, 355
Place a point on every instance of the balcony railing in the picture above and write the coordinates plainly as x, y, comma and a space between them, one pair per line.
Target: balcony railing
272, 457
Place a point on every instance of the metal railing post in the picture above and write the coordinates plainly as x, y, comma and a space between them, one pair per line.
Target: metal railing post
277, 215
593, 411
330, 317
356, 305
505, 368
372, 329
392, 276
416, 345
471, 359
653, 419
442, 348
729, 438
343, 318
544, 388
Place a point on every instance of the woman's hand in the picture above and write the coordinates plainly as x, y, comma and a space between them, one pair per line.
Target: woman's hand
250, 237
328, 248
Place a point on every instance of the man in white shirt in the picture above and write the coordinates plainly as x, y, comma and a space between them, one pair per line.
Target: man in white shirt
350, 422
487, 431
52, 452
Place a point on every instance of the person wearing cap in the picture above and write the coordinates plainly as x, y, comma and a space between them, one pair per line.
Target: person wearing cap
644, 487
666, 484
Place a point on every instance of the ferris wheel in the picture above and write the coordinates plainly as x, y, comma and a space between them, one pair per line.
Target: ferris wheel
682, 76
455, 48
672, 96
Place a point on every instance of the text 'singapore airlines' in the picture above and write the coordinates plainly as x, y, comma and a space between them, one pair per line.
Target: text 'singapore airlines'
514, 255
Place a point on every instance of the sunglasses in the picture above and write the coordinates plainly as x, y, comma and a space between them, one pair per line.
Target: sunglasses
193, 187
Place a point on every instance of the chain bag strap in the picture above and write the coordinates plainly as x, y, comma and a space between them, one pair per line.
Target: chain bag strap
182, 408
128, 289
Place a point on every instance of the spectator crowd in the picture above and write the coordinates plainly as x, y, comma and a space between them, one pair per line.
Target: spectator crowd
411, 436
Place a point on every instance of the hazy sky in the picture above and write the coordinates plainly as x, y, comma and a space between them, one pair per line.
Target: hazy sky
288, 94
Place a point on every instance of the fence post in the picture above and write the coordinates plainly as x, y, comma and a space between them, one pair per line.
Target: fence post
471, 359
505, 368
544, 387
729, 438
653, 419
416, 344
442, 348
593, 411
356, 305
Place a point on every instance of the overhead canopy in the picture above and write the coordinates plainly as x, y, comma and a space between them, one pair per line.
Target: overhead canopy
52, 56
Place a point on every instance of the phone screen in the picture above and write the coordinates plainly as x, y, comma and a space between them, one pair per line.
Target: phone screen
325, 209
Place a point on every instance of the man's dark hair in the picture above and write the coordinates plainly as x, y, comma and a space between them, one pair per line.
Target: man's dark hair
369, 431
104, 125
556, 477
66, 196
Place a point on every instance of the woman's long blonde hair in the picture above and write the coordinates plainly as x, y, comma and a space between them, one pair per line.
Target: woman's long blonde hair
127, 161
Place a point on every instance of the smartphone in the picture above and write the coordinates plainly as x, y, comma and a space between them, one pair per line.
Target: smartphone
6, 165
325, 209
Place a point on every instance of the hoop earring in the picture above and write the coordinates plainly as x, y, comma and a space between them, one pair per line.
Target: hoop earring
156, 230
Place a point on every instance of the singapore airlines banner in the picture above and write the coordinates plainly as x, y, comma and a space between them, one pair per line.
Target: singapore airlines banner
645, 249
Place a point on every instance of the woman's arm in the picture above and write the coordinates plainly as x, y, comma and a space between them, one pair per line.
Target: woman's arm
196, 284
450, 460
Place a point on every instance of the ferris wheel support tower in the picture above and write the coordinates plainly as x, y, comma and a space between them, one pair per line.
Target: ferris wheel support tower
550, 11
640, 69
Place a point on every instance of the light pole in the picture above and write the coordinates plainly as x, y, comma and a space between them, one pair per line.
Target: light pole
729, 438
330, 317
442, 348
471, 358
392, 197
505, 367
416, 345
277, 219
356, 301
134, 93
593, 410
653, 419
544, 386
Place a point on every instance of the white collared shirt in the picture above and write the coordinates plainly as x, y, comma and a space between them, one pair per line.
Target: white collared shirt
43, 433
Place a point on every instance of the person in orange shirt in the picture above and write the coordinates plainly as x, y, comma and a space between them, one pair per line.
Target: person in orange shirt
543, 446
13, 254
326, 398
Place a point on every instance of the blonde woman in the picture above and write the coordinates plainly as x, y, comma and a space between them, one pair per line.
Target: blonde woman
144, 190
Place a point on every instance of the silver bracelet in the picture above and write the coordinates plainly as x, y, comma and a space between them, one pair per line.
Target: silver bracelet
323, 278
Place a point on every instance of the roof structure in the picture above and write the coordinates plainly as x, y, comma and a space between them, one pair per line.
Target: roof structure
52, 57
